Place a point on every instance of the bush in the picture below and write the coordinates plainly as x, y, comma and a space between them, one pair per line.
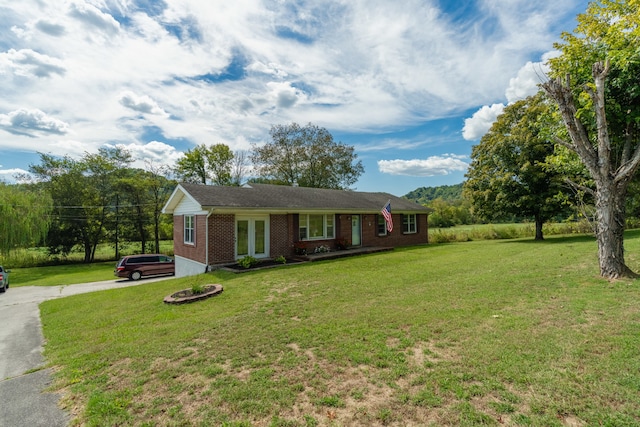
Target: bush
248, 262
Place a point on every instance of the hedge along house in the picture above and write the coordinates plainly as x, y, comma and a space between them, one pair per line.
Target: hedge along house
217, 225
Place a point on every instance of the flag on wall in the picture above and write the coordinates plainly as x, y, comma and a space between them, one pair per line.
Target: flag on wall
386, 213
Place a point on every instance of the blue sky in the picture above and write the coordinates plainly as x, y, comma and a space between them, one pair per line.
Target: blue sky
411, 85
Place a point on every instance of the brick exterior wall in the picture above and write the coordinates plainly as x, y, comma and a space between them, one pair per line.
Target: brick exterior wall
283, 233
222, 238
369, 230
343, 227
369, 227
280, 231
196, 251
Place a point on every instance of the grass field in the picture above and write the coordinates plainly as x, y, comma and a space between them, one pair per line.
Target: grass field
502, 332
467, 233
66, 274
39, 256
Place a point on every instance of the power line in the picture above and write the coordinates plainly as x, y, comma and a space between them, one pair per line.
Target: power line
81, 207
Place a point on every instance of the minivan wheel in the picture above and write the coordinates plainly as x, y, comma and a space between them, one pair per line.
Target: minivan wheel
136, 275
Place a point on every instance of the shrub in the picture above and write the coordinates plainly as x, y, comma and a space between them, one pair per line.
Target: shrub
342, 243
300, 248
247, 262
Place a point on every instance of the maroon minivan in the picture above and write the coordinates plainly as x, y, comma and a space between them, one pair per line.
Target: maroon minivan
135, 266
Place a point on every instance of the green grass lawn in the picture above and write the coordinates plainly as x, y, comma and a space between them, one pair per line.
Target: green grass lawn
66, 274
498, 332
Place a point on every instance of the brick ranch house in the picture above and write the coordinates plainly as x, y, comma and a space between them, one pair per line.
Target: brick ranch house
217, 225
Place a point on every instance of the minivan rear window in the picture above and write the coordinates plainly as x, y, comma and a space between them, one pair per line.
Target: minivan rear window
142, 259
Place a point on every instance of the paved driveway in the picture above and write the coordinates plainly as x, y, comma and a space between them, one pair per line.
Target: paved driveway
22, 400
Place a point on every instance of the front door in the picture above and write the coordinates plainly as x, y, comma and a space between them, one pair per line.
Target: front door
252, 237
355, 230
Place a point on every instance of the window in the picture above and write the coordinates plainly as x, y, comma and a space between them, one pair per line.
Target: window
382, 226
189, 229
313, 227
409, 224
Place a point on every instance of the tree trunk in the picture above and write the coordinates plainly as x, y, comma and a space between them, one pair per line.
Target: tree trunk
156, 233
539, 223
156, 225
87, 246
610, 222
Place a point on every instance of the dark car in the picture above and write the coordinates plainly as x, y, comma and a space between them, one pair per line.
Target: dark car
134, 267
4, 279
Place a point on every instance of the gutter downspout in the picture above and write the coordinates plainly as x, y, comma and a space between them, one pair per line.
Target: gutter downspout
206, 233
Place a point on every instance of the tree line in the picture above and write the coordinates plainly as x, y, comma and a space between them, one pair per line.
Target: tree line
99, 198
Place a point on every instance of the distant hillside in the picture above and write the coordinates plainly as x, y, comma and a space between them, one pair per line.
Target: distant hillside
424, 195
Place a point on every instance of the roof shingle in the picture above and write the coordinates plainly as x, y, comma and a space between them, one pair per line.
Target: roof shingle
281, 197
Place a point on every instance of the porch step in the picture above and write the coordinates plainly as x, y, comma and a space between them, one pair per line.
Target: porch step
343, 253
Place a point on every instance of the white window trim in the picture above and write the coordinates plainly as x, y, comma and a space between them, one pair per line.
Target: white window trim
267, 235
379, 218
325, 236
414, 223
192, 228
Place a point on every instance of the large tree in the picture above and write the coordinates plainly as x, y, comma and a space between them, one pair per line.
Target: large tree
83, 193
24, 216
507, 176
239, 167
142, 194
595, 84
159, 188
206, 165
306, 156
64, 180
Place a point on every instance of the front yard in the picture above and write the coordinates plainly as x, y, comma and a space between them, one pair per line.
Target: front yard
492, 332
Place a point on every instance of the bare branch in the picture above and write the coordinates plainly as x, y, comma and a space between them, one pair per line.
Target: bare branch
629, 168
578, 133
564, 143
581, 187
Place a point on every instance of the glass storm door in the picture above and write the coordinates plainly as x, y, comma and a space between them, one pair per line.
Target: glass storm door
355, 230
252, 237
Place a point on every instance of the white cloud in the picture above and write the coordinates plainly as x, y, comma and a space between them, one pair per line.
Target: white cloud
9, 175
154, 152
526, 83
93, 17
271, 68
432, 166
283, 94
351, 66
51, 28
141, 104
68, 147
32, 122
481, 121
28, 63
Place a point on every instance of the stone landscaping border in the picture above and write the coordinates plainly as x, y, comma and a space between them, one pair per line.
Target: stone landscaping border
186, 295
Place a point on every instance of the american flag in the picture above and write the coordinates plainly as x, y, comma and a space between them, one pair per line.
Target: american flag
386, 213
